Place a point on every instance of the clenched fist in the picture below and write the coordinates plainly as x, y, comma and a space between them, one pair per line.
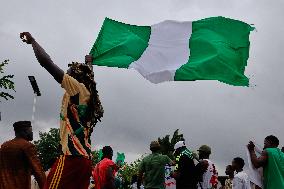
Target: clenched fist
26, 37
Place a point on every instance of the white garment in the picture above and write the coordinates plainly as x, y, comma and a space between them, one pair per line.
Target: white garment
134, 186
241, 181
34, 184
255, 175
207, 176
170, 182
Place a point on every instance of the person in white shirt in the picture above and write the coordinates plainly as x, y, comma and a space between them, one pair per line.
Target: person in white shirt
210, 177
241, 179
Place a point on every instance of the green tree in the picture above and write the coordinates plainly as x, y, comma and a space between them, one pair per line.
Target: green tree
6, 82
48, 147
167, 143
95, 157
127, 171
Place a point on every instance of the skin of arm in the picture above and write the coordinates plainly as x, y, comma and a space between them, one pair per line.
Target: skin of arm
257, 161
43, 58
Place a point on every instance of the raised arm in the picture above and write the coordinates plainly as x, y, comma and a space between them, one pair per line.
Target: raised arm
257, 161
43, 58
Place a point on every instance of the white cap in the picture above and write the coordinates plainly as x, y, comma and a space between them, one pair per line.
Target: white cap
179, 144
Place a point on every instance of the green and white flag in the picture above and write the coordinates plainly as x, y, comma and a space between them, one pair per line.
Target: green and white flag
215, 48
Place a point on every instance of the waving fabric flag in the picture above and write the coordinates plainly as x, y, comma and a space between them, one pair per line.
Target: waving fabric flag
215, 48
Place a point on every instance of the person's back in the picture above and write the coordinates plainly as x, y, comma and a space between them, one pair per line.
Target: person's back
18, 161
274, 169
104, 171
210, 177
153, 168
186, 168
241, 181
100, 172
13, 162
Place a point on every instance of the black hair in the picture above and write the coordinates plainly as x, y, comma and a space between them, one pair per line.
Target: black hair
239, 161
230, 166
134, 179
83, 73
272, 139
107, 151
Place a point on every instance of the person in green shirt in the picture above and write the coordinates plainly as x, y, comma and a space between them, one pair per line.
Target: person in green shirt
152, 168
272, 161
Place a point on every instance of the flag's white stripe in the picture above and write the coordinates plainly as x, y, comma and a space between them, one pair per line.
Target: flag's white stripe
168, 50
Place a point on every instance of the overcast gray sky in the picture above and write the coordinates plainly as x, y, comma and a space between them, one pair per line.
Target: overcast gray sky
136, 111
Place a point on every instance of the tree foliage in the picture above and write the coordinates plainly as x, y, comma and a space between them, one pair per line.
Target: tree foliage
127, 171
95, 157
48, 147
167, 143
5, 82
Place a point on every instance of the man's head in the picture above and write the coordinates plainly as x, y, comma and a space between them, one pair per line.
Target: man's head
107, 152
271, 142
23, 129
155, 146
179, 146
229, 170
204, 152
238, 164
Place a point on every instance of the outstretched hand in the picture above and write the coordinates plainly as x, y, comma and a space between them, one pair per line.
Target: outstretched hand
88, 59
26, 37
250, 146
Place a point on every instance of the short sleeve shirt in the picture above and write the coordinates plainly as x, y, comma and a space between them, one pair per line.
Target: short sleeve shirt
241, 181
153, 167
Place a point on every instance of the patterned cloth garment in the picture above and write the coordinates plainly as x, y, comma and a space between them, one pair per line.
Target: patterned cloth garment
75, 131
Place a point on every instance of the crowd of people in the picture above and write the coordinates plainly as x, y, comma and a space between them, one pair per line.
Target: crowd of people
19, 160
80, 111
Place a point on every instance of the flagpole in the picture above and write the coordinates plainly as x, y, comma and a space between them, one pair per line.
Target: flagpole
34, 109
36, 94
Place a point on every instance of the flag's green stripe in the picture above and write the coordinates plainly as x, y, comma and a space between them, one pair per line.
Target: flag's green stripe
119, 44
219, 49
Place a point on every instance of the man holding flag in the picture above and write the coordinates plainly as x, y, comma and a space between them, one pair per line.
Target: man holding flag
272, 161
80, 111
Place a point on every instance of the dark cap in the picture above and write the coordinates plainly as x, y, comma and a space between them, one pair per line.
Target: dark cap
205, 148
22, 124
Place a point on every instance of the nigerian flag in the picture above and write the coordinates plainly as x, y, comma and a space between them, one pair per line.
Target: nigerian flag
215, 48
